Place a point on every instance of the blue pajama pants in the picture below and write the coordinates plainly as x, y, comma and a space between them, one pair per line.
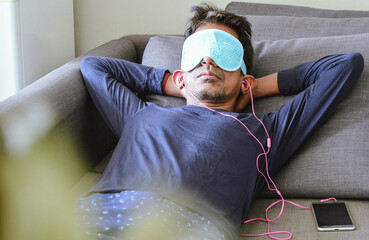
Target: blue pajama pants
141, 215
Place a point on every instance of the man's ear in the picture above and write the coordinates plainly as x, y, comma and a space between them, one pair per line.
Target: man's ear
178, 79
247, 82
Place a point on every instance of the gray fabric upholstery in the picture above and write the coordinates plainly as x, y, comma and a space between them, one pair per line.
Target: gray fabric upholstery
286, 27
245, 8
335, 160
160, 46
77, 118
169, 47
139, 42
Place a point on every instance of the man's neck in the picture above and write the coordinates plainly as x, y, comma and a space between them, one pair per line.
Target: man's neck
227, 106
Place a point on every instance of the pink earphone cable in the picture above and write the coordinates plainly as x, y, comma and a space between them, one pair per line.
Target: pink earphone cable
267, 177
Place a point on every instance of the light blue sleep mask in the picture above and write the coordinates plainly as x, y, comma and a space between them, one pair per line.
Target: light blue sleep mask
222, 47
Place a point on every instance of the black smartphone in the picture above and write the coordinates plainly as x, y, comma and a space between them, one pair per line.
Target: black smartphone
333, 216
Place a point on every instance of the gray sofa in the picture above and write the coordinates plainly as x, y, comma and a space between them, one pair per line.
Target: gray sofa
333, 163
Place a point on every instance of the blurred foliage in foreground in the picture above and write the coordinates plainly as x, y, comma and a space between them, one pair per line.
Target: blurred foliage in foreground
38, 168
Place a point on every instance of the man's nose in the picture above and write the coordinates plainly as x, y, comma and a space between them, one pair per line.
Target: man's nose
208, 61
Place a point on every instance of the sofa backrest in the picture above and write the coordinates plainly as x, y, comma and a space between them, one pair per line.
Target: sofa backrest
335, 161
262, 9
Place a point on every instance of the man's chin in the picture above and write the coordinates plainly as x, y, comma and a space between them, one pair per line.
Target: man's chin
210, 96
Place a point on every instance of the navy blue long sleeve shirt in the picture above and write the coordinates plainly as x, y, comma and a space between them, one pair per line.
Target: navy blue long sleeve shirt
196, 157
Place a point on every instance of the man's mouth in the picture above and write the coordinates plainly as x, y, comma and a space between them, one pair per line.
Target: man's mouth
208, 75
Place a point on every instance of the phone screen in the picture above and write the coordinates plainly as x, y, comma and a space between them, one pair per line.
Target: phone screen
332, 216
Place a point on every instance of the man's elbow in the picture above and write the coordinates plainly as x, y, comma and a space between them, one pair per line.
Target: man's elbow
356, 61
87, 63
92, 66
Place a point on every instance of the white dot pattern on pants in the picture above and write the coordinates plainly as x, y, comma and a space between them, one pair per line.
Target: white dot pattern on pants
113, 215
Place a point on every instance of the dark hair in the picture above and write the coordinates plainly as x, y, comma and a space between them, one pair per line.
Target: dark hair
207, 13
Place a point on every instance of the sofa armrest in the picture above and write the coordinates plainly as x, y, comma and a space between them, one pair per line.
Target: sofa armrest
77, 119
139, 41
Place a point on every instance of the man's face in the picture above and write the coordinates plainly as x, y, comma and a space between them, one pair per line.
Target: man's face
208, 81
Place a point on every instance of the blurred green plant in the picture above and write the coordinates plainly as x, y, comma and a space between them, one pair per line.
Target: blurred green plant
38, 168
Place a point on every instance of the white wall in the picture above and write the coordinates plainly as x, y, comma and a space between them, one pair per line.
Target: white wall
9, 48
47, 36
36, 36
98, 21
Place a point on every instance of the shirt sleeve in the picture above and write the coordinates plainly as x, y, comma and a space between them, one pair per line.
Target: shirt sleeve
111, 83
321, 85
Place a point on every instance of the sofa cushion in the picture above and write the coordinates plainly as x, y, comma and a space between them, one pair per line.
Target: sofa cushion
321, 167
287, 10
163, 52
286, 27
335, 160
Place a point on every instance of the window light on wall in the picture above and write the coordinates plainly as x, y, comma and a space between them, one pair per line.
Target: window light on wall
9, 48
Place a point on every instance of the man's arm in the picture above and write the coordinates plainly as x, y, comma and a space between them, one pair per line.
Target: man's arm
266, 86
260, 87
169, 88
110, 81
321, 85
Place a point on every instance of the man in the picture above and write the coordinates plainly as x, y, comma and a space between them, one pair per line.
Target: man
199, 162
